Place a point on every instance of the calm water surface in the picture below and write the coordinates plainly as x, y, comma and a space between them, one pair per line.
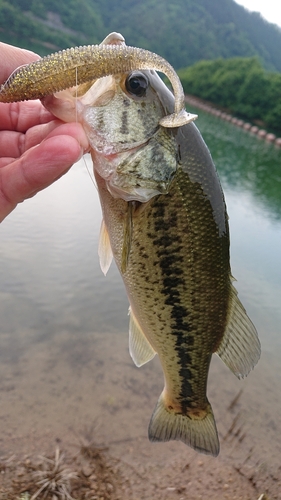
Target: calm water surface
64, 361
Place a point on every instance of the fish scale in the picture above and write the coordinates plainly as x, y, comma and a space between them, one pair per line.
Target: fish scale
182, 285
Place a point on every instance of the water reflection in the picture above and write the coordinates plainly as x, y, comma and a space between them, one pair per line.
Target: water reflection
50, 272
245, 163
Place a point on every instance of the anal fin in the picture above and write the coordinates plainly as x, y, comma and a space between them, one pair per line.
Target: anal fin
140, 349
240, 346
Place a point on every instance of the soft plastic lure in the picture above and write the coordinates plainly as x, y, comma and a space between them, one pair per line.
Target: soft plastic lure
78, 65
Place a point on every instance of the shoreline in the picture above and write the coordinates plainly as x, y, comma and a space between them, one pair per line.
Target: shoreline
248, 127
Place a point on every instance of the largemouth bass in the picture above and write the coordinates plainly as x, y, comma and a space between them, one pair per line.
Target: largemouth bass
165, 223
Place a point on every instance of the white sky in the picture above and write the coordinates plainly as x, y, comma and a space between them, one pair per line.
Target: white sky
269, 9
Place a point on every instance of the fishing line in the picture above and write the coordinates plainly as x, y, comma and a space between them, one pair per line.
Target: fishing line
76, 121
90, 174
76, 93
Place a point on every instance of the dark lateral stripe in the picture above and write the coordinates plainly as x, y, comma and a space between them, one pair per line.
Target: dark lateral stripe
169, 254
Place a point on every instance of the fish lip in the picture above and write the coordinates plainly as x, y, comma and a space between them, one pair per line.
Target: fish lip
103, 147
106, 160
113, 151
106, 165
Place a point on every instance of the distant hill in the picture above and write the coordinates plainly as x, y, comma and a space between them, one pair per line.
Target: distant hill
183, 31
238, 85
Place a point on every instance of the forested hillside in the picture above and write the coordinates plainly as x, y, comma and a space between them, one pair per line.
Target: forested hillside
240, 86
183, 31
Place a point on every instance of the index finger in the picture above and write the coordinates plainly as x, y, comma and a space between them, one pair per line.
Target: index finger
20, 116
13, 57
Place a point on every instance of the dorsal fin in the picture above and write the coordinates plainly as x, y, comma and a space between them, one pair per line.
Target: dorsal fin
240, 347
140, 349
104, 250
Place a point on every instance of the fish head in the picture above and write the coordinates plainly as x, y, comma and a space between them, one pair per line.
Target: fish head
131, 151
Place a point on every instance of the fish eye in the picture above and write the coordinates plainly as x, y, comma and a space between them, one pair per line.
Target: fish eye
136, 84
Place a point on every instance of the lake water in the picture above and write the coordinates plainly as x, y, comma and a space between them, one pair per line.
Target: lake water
64, 361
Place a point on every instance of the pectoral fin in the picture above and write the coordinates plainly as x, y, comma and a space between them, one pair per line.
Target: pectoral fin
104, 250
240, 347
140, 349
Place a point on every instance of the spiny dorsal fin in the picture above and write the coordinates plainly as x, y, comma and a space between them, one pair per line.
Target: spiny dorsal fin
140, 349
104, 250
240, 347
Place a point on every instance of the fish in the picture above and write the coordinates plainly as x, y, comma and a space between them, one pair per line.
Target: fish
165, 223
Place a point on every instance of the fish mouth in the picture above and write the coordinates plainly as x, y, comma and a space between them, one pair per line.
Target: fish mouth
107, 159
138, 171
122, 168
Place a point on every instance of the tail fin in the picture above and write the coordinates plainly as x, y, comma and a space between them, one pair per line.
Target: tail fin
200, 434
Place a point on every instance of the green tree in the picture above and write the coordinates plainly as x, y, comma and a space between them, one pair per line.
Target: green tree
240, 85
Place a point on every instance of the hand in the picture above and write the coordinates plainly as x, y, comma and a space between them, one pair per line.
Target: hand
35, 148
